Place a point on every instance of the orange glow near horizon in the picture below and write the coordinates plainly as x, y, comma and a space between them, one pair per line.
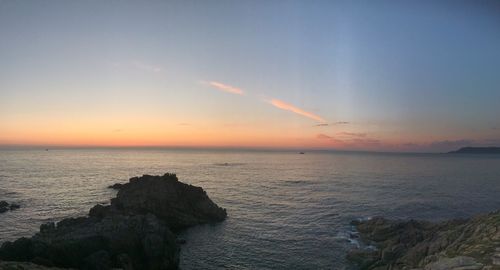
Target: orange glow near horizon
142, 126
135, 130
235, 121
147, 134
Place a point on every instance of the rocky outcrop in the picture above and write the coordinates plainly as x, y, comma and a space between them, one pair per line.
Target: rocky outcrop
178, 204
116, 186
135, 232
141, 241
458, 244
5, 206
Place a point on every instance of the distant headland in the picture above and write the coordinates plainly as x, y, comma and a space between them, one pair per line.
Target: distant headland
477, 150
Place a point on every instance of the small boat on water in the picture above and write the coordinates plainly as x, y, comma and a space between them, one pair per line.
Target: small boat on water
301, 153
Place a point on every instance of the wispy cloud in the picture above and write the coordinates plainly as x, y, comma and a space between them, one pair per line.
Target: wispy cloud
289, 107
226, 88
275, 102
147, 67
323, 136
352, 134
330, 139
356, 141
332, 124
364, 142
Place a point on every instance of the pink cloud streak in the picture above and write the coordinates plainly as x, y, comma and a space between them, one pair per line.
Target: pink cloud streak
226, 88
289, 107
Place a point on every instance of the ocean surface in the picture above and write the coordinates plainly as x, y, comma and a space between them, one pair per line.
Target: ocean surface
286, 211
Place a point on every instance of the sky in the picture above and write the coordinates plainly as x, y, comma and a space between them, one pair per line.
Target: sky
418, 76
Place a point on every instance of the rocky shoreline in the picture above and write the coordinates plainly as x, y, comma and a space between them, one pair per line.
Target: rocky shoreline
419, 245
136, 231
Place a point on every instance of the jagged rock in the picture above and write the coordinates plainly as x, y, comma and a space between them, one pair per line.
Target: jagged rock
98, 211
134, 232
91, 243
116, 186
5, 206
456, 244
180, 205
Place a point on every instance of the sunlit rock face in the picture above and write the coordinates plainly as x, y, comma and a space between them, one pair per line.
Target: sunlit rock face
135, 232
456, 244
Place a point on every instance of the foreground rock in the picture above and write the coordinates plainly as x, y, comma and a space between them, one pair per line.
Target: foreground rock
24, 266
135, 232
459, 244
116, 186
5, 206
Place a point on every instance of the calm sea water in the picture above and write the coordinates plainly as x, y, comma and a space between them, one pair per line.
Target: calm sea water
285, 210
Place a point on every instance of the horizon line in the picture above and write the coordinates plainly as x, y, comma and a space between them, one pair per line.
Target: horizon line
189, 147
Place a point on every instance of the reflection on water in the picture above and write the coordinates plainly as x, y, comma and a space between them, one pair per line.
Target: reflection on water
285, 210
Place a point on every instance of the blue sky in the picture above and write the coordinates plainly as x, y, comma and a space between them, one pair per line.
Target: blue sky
404, 75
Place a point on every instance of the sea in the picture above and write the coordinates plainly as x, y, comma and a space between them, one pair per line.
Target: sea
285, 210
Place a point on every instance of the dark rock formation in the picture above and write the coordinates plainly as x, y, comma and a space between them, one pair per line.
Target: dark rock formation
134, 232
5, 206
91, 243
477, 150
458, 244
116, 186
178, 204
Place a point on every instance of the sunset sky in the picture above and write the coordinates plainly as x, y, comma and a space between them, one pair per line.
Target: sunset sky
374, 75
